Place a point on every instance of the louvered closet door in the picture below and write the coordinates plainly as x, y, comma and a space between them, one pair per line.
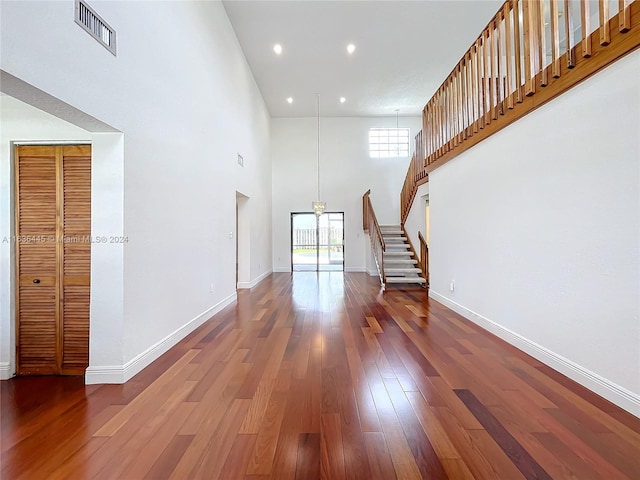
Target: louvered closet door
53, 253
76, 258
36, 213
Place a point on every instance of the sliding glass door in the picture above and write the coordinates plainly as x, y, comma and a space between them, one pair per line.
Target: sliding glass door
317, 243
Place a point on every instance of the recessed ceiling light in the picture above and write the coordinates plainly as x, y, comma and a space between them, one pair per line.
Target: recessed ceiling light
351, 48
277, 48
290, 100
342, 99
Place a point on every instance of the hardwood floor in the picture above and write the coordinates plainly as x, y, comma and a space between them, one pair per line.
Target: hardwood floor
322, 376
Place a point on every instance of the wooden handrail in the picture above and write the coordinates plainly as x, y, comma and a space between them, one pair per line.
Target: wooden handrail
372, 227
424, 257
365, 211
490, 87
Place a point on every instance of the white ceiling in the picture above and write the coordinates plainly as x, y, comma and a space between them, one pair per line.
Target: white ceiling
404, 50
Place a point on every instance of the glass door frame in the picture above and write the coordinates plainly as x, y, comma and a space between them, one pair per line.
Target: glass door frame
317, 242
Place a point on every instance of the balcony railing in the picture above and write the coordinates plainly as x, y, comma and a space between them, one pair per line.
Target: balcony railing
530, 52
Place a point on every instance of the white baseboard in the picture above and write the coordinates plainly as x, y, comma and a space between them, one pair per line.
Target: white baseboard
6, 372
373, 273
255, 281
613, 392
355, 269
122, 373
282, 270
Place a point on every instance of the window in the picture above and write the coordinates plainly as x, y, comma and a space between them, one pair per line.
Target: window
388, 142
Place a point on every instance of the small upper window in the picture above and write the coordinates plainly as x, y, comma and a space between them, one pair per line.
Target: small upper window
388, 142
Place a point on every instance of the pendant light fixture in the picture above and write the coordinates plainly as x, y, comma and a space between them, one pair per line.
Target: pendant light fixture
318, 205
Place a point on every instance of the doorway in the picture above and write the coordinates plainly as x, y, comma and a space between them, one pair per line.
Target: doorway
53, 258
243, 241
427, 220
317, 242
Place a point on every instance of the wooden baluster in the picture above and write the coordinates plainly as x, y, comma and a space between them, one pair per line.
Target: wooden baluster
517, 50
605, 31
429, 120
452, 110
433, 112
466, 118
530, 46
429, 123
436, 127
441, 107
461, 109
449, 116
499, 82
456, 103
491, 32
425, 129
624, 16
486, 82
434, 123
443, 131
508, 42
433, 118
544, 73
442, 113
586, 29
469, 92
473, 57
427, 132
480, 81
450, 113
467, 96
568, 28
438, 118
555, 39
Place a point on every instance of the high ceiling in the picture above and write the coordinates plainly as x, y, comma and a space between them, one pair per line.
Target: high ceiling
404, 50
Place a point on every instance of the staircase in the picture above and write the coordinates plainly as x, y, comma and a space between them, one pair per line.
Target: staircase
400, 266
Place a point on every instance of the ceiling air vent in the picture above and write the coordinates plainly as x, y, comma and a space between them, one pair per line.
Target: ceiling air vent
95, 26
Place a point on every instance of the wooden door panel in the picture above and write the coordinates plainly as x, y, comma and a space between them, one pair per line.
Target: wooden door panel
36, 260
75, 338
53, 258
76, 262
37, 330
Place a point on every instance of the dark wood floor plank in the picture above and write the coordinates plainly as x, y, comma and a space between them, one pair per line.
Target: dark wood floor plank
308, 457
380, 462
425, 456
166, 462
239, 457
331, 447
322, 376
518, 455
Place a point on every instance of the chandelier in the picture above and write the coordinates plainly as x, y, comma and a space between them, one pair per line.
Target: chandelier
318, 205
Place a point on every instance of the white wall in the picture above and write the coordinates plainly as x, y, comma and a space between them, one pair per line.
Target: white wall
181, 92
539, 227
416, 220
346, 172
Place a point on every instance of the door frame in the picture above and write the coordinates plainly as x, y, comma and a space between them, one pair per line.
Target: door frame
317, 264
15, 258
